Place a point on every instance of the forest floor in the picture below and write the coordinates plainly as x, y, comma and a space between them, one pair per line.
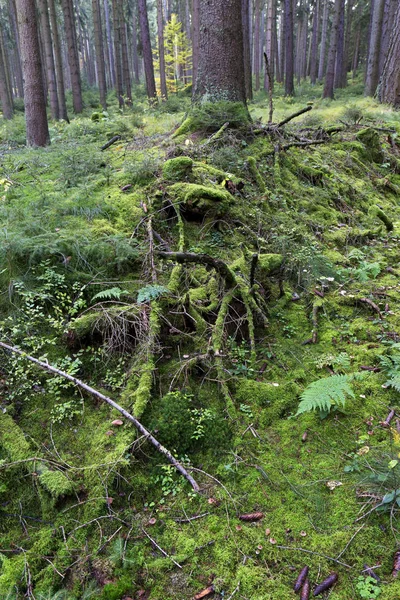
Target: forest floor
239, 294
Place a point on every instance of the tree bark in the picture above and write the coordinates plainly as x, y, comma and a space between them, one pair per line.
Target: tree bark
372, 76
6, 105
269, 43
37, 132
289, 49
147, 53
330, 70
246, 49
314, 43
109, 42
18, 70
98, 43
73, 58
62, 107
195, 38
221, 63
389, 87
256, 38
49, 58
135, 56
340, 66
324, 39
161, 53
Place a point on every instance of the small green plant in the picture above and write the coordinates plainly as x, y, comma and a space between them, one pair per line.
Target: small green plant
340, 362
200, 417
390, 365
114, 293
328, 392
368, 587
151, 292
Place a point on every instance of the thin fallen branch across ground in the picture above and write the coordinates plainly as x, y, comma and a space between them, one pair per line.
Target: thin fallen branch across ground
159, 447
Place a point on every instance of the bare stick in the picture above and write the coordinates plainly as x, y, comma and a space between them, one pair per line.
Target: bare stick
350, 540
178, 466
335, 560
189, 519
160, 549
374, 306
238, 585
271, 104
296, 114
315, 323
111, 142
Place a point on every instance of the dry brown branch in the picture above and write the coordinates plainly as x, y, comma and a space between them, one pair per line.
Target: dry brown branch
179, 467
293, 116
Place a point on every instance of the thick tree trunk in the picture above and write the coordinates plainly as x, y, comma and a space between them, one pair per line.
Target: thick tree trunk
161, 53
147, 53
246, 49
221, 64
98, 43
37, 132
195, 38
18, 70
109, 42
256, 38
73, 58
372, 76
389, 87
330, 70
62, 107
388, 19
117, 52
324, 39
340, 67
347, 63
49, 58
289, 49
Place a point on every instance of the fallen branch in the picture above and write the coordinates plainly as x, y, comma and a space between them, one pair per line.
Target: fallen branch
293, 116
46, 367
202, 259
374, 306
335, 560
111, 142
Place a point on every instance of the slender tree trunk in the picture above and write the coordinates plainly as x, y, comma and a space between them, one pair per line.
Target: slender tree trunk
269, 42
62, 107
109, 43
340, 67
282, 42
356, 53
246, 49
195, 38
73, 58
49, 58
125, 62
135, 57
98, 43
324, 39
161, 54
117, 52
221, 64
37, 132
256, 37
389, 87
289, 66
330, 70
314, 43
372, 77
18, 70
6, 105
347, 62
277, 68
147, 53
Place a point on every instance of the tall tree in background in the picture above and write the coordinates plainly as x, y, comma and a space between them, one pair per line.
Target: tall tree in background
289, 49
161, 54
324, 41
247, 48
147, 53
98, 43
37, 132
195, 36
330, 69
73, 58
372, 72
220, 74
62, 106
5, 97
49, 58
314, 43
389, 87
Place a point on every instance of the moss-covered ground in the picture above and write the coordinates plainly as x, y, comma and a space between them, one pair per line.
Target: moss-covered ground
213, 359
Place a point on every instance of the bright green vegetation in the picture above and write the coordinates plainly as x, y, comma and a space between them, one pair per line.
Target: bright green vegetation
215, 360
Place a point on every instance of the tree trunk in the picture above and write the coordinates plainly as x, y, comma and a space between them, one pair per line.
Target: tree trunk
73, 58
37, 132
62, 107
109, 42
246, 49
289, 66
126, 75
221, 63
339, 68
117, 52
98, 43
49, 58
346, 62
324, 39
256, 38
330, 70
389, 87
147, 53
269, 42
314, 43
195, 38
6, 105
372, 77
161, 54
135, 57
18, 70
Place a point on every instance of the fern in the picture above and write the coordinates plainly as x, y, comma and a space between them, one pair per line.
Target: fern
390, 365
327, 392
114, 293
151, 292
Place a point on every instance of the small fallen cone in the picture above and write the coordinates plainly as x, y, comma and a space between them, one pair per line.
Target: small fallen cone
205, 593
250, 517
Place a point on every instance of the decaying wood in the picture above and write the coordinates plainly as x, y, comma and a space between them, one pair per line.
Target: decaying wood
111, 142
204, 593
374, 306
159, 447
251, 517
202, 259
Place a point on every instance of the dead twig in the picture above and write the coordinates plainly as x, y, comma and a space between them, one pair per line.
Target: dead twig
335, 560
111, 142
293, 116
189, 519
160, 549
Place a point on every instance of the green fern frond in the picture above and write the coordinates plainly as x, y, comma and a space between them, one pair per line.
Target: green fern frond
151, 292
114, 293
327, 392
394, 382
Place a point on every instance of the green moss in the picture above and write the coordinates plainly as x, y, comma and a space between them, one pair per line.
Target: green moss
372, 146
210, 116
267, 265
200, 199
177, 169
56, 483
251, 161
378, 212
